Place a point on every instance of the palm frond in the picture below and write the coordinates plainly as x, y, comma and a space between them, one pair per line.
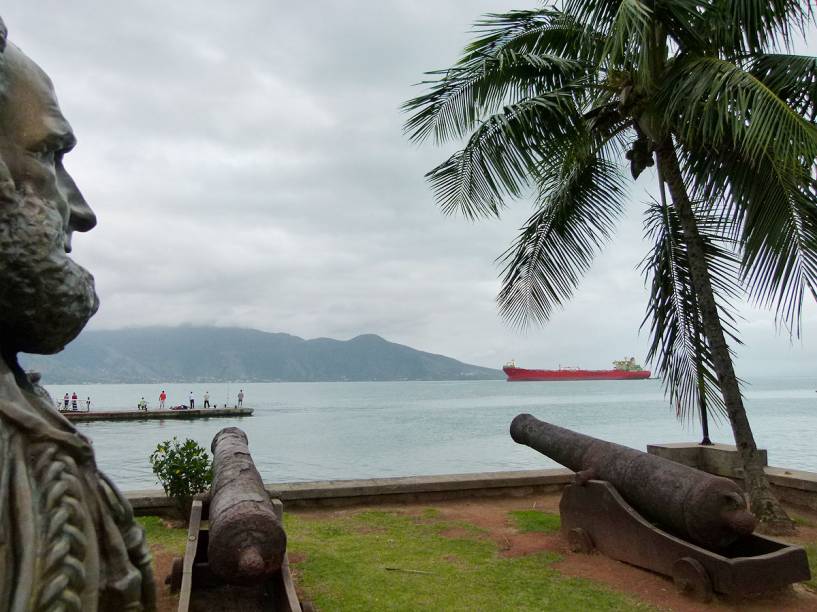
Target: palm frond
682, 21
792, 78
772, 216
457, 102
516, 61
624, 25
678, 348
737, 28
545, 30
714, 103
581, 195
598, 15
501, 155
628, 39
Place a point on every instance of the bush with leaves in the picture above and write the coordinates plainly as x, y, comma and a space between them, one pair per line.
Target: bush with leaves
184, 470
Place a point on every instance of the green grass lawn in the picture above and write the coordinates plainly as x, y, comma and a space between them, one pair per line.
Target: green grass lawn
393, 561
811, 551
372, 560
801, 520
159, 534
534, 520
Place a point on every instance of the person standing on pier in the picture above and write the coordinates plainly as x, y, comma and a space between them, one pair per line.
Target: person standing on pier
65, 400
88, 404
74, 401
206, 399
162, 398
192, 401
240, 398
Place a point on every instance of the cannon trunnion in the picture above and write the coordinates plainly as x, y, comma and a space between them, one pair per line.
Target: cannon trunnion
662, 516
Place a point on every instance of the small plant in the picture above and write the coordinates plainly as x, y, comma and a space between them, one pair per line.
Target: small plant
184, 470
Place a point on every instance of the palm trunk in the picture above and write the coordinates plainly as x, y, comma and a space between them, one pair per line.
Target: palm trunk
702, 408
763, 503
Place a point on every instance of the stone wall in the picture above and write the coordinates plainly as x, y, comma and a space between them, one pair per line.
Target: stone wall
795, 487
374, 491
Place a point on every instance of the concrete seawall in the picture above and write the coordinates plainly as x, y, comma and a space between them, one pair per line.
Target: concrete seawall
374, 491
795, 487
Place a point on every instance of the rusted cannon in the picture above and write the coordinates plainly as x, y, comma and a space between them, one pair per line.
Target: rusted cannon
663, 516
705, 509
246, 541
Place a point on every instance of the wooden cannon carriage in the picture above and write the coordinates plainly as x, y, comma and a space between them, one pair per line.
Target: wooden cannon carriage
663, 516
235, 557
199, 589
596, 517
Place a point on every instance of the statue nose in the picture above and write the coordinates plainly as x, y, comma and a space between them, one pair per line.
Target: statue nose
82, 218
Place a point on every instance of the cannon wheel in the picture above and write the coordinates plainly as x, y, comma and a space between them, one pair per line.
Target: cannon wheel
691, 579
579, 541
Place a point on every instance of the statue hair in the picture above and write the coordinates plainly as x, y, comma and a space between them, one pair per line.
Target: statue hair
3, 38
6, 182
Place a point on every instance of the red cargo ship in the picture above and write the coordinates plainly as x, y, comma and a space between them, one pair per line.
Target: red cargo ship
626, 369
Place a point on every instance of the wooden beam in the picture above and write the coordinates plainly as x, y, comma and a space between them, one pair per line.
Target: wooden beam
190, 556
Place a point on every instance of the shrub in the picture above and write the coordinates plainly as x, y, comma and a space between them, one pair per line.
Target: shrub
184, 470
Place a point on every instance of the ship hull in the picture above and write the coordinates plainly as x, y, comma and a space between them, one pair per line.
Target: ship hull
521, 374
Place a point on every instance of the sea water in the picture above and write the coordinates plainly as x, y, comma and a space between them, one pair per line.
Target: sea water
325, 431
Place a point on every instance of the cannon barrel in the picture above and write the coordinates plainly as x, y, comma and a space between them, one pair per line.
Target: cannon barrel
246, 540
705, 509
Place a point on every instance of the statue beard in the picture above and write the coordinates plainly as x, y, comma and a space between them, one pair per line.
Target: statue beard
45, 297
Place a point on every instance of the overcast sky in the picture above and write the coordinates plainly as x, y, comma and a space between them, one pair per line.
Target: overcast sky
248, 168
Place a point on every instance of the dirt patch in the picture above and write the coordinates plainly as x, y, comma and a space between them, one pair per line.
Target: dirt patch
491, 515
805, 534
162, 562
660, 591
296, 557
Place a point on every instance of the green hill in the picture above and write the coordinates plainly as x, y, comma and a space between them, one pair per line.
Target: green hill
217, 354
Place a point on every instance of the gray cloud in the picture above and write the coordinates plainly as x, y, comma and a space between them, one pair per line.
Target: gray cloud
248, 168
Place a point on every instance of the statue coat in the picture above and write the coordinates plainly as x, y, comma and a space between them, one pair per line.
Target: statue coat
68, 539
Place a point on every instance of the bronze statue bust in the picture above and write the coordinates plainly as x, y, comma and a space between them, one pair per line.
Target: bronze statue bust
68, 540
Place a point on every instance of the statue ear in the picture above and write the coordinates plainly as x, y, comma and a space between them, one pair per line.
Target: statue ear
3, 35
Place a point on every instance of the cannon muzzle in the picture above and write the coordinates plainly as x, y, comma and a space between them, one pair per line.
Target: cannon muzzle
246, 542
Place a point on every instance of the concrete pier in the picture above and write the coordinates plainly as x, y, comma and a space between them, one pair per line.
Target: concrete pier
144, 415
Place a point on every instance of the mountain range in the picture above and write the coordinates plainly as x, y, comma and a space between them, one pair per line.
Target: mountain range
226, 354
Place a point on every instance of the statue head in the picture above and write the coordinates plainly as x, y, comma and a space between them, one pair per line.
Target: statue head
45, 297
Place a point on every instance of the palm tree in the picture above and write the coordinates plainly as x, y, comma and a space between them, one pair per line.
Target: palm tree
553, 101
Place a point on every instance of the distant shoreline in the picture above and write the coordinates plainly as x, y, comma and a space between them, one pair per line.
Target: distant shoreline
47, 383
